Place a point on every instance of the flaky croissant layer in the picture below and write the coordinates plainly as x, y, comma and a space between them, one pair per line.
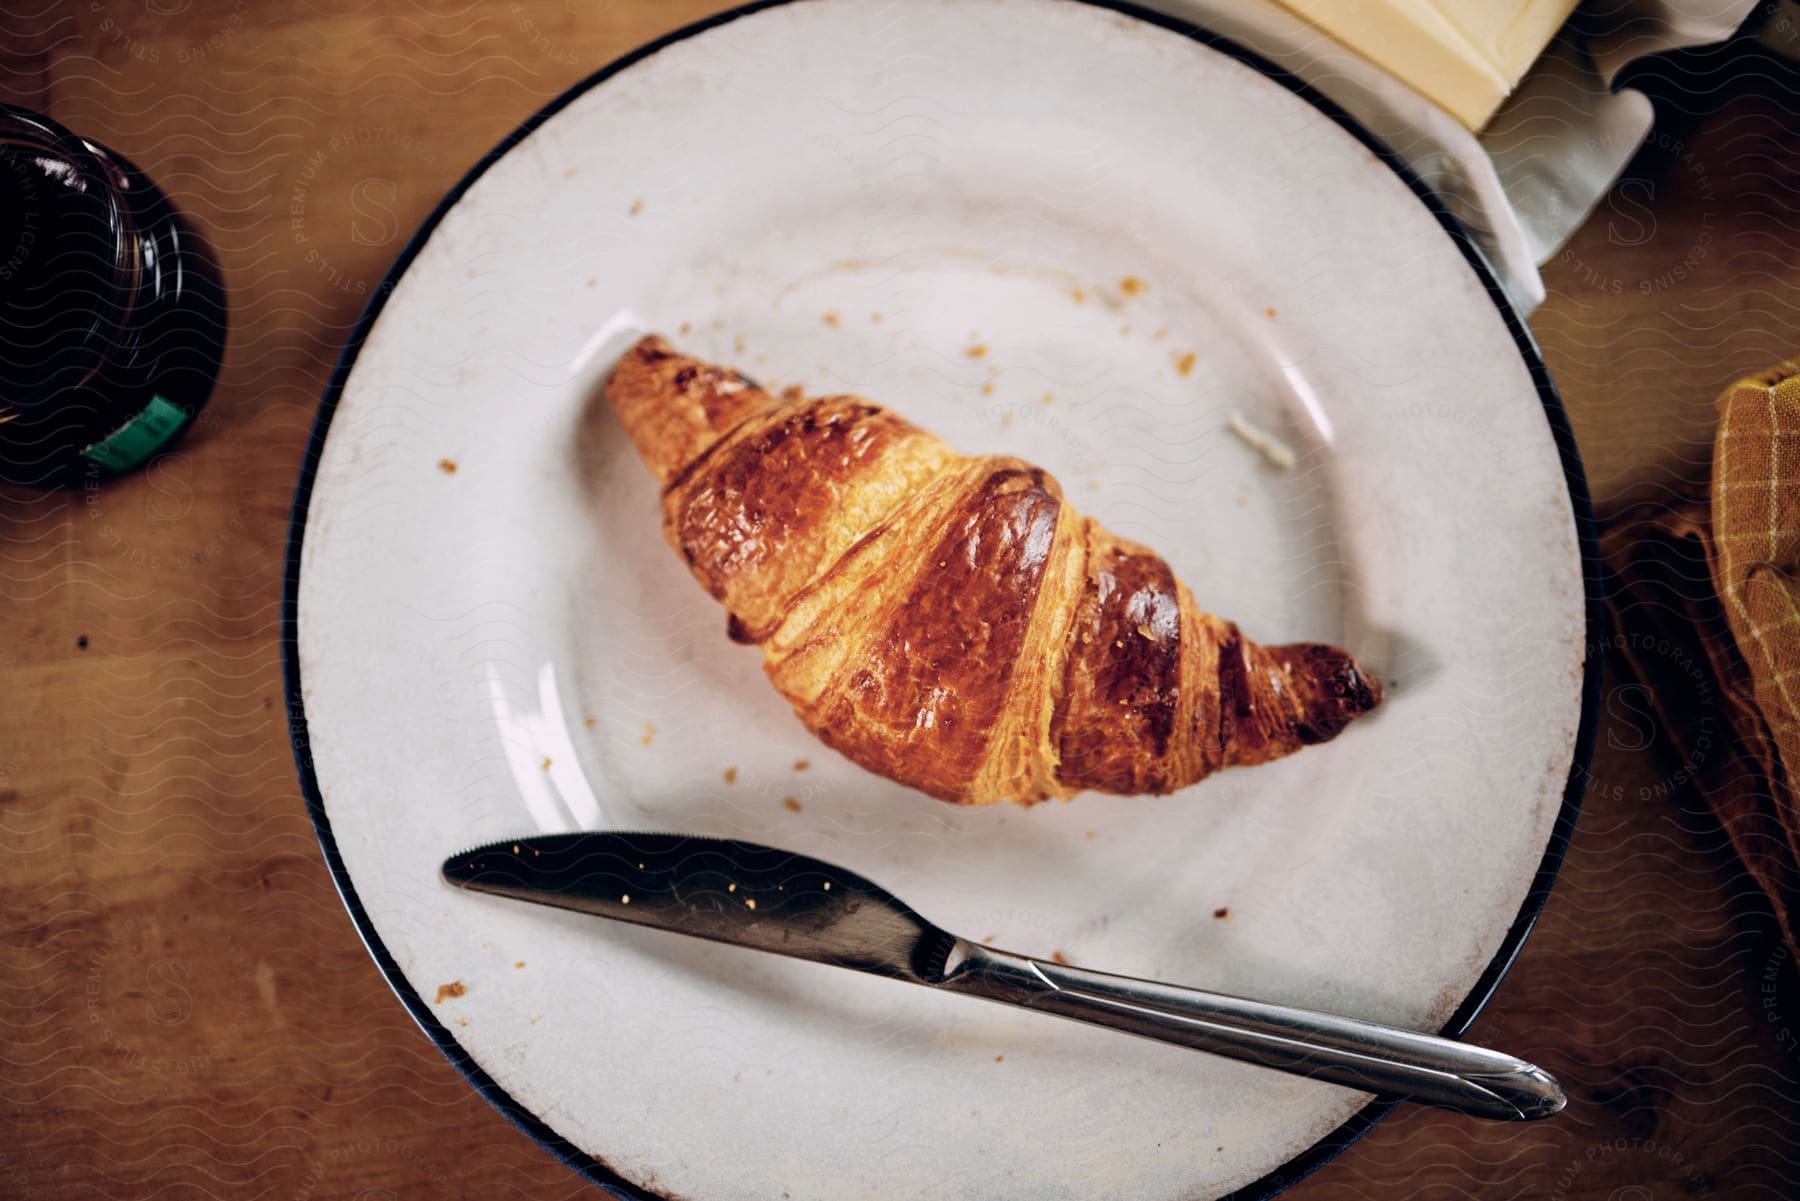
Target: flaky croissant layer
950, 621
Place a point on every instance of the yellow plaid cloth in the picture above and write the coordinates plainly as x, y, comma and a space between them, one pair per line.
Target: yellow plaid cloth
1706, 615
1755, 543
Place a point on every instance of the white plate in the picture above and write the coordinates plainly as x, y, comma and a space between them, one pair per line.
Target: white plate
852, 197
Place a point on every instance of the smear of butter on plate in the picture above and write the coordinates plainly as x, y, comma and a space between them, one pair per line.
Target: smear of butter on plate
1273, 450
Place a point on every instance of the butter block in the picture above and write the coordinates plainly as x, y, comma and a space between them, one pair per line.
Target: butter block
1413, 41
1511, 35
1466, 55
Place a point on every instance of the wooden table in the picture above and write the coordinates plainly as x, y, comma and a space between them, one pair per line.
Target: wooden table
185, 1010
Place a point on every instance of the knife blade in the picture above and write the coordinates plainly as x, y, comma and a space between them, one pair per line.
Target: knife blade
735, 892
790, 904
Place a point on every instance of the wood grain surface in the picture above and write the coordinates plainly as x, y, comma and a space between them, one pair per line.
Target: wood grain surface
185, 1010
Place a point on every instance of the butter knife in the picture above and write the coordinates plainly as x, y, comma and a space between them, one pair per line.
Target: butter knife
775, 900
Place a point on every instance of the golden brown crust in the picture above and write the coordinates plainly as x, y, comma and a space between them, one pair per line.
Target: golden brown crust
675, 407
1278, 699
909, 706
828, 622
951, 622
1116, 717
761, 514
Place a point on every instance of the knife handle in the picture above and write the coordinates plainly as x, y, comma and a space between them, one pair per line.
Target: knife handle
1400, 1064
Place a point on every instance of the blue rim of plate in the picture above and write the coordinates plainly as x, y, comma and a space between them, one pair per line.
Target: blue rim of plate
1358, 1124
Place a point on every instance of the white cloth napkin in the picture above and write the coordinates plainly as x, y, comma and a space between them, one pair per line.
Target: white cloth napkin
1524, 184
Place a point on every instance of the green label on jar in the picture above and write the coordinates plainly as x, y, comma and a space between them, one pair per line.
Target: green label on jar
139, 438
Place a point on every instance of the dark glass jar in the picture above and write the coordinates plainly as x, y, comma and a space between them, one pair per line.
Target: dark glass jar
112, 319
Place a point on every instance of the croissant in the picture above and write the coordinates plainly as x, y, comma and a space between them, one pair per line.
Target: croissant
949, 621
